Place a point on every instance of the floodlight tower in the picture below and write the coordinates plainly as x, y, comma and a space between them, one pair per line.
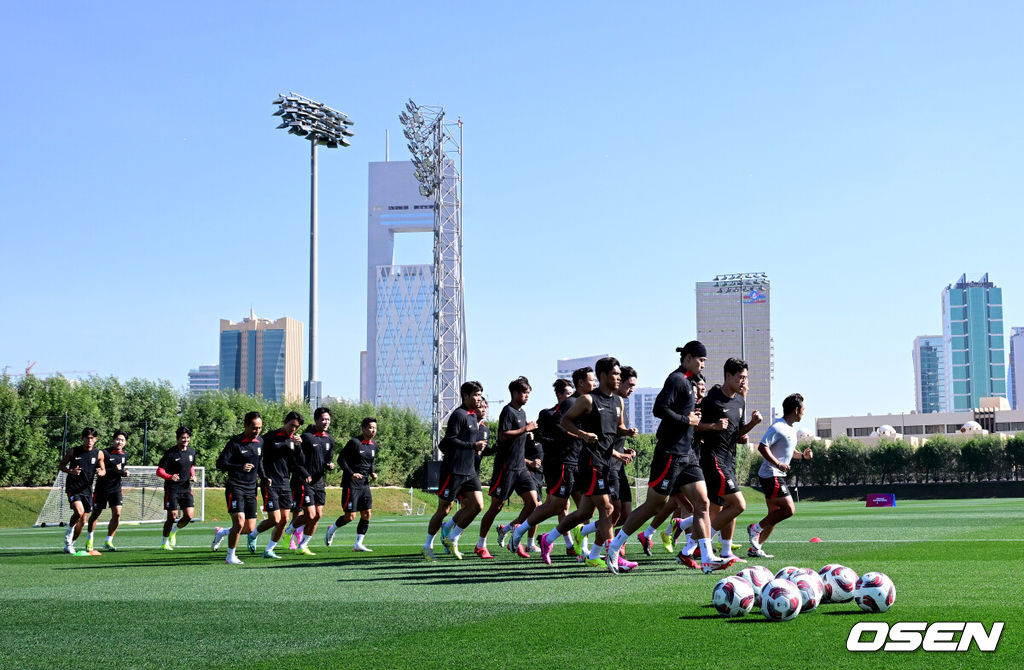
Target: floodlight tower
327, 127
742, 283
436, 148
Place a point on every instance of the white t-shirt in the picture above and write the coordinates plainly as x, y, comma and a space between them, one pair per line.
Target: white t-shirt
780, 438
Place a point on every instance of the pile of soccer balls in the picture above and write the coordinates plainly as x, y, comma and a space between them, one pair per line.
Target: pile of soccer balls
791, 591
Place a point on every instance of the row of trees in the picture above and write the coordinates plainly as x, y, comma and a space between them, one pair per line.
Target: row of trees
940, 459
41, 417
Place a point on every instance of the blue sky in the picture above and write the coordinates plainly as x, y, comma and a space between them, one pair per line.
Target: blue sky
864, 155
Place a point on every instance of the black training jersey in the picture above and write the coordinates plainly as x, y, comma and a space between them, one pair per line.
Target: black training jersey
311, 461
233, 458
570, 446
114, 463
483, 433
87, 460
603, 420
178, 461
278, 460
714, 407
673, 406
549, 433
534, 450
461, 436
512, 451
357, 457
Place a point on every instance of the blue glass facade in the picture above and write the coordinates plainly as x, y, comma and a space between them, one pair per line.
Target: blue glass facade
273, 364
230, 360
261, 357
973, 334
931, 379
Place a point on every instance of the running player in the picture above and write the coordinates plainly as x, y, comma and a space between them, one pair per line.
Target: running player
80, 464
108, 490
276, 466
240, 458
675, 468
777, 448
510, 474
722, 415
356, 461
551, 436
177, 468
535, 471
459, 478
311, 465
561, 480
483, 434
600, 415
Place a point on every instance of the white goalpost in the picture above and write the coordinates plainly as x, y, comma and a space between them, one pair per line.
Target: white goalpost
142, 491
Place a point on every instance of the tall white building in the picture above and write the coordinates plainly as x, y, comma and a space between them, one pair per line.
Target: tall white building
1016, 371
203, 378
640, 410
734, 321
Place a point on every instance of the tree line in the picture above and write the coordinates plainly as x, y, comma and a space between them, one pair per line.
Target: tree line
39, 418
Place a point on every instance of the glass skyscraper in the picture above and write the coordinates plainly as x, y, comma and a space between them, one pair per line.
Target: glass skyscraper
262, 357
929, 374
972, 334
1016, 372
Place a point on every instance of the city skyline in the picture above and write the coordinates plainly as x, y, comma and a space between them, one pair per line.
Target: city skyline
974, 350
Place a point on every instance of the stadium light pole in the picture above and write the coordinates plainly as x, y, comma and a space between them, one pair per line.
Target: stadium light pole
327, 127
742, 283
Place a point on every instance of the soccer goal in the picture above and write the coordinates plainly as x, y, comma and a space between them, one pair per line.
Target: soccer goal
142, 491
640, 491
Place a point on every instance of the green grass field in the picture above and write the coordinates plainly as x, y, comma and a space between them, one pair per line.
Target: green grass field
143, 607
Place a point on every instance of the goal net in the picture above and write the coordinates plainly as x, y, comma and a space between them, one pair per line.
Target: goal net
143, 494
639, 491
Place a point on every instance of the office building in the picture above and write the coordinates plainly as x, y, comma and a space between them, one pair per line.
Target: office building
640, 410
262, 357
1016, 371
203, 378
734, 321
992, 415
972, 334
929, 374
566, 366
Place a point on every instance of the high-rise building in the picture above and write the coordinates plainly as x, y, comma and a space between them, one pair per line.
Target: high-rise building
397, 367
566, 366
734, 321
640, 410
972, 335
262, 357
929, 374
1016, 372
203, 378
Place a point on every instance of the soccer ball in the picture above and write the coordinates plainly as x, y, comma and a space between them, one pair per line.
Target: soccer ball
828, 568
811, 588
785, 572
875, 592
758, 576
733, 597
780, 600
840, 584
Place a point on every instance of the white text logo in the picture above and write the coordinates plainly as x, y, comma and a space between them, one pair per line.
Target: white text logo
938, 636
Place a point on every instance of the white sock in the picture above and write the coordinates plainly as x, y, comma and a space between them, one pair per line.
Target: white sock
589, 528
568, 542
521, 530
271, 545
456, 532
619, 540
705, 550
649, 533
231, 554
110, 539
481, 543
685, 523
595, 551
166, 537
91, 534
717, 535
359, 540
726, 546
429, 544
305, 540
530, 545
553, 535
691, 544
68, 533
223, 533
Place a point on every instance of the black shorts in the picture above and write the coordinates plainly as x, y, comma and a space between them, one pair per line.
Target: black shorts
455, 486
538, 482
175, 499
594, 479
621, 490
276, 498
241, 502
774, 487
309, 495
103, 499
356, 499
720, 476
562, 480
504, 483
671, 472
85, 497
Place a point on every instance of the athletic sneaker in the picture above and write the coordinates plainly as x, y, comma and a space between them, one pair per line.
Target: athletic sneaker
482, 552
514, 543
298, 535
69, 549
452, 548
305, 551
81, 552
569, 551
626, 566
755, 537
329, 537
645, 543
269, 553
612, 561
667, 541
250, 542
446, 530
520, 551
167, 546
215, 545
88, 545
596, 563
234, 560
109, 546
716, 563
174, 538
291, 542
502, 534
758, 553
359, 546
734, 558
545, 549
683, 559
577, 541
93, 552
428, 554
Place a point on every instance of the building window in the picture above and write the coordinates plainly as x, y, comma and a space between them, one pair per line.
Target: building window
932, 430
861, 432
913, 430
825, 433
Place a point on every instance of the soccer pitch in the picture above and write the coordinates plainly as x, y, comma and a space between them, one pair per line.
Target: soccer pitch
143, 607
